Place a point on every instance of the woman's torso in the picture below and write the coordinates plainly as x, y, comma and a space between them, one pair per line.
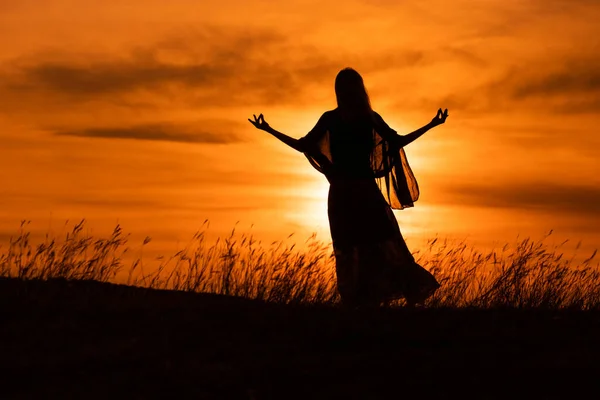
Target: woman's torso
351, 144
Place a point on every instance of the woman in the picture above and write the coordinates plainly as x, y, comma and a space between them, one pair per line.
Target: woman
363, 160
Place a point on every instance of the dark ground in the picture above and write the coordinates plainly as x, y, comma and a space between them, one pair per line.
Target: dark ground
91, 340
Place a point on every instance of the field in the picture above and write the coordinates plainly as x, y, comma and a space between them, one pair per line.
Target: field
235, 319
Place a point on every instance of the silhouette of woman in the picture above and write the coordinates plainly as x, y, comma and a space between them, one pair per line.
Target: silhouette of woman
364, 161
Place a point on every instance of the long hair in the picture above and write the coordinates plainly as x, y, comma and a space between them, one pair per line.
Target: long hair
351, 94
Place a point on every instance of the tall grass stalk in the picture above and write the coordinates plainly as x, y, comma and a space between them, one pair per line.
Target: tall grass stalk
528, 274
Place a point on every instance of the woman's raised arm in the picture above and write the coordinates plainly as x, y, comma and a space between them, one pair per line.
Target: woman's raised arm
260, 123
403, 140
305, 144
439, 119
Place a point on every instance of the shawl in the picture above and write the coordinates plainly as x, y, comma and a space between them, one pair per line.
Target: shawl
388, 161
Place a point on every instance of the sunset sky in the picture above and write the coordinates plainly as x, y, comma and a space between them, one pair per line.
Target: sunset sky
136, 113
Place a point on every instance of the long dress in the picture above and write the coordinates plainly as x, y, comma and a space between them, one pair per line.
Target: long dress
369, 174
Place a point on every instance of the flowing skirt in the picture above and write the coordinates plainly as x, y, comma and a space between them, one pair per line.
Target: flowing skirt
373, 263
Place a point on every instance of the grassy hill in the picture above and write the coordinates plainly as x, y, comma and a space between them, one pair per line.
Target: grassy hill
85, 339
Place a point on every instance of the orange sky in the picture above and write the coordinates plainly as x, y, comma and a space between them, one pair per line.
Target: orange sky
136, 113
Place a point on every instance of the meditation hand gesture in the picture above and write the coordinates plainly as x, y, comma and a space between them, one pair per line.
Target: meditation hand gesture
440, 117
260, 123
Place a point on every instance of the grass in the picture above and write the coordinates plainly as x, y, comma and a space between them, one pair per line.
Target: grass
504, 322
527, 275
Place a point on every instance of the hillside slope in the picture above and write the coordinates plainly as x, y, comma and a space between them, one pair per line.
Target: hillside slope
94, 340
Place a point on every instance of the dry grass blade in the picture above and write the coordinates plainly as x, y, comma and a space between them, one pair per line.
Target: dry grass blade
529, 274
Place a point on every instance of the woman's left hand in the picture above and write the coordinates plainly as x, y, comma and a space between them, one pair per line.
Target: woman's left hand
260, 123
440, 117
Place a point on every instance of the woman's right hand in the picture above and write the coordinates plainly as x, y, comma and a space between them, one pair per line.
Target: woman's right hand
440, 117
260, 123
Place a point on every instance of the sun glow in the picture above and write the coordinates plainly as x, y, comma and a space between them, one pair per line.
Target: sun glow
310, 214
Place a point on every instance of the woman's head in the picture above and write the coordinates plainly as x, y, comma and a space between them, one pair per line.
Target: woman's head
352, 97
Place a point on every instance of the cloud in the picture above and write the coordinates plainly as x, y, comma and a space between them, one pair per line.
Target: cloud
464, 55
557, 86
109, 78
572, 79
571, 88
9, 5
214, 67
572, 199
226, 69
161, 132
